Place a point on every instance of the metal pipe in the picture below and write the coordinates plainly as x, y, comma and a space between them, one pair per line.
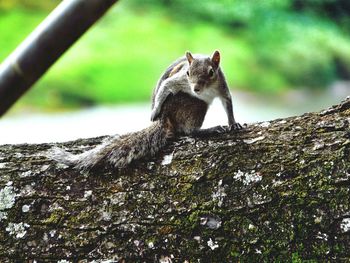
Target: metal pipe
34, 56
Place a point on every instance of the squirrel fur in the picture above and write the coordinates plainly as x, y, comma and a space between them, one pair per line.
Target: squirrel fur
179, 104
199, 76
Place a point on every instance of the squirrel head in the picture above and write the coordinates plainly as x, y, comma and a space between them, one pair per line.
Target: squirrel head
202, 71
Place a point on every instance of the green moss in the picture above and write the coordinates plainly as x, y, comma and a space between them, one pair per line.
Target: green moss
193, 218
55, 217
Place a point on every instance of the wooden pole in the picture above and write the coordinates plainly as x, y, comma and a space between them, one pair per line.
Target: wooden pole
34, 56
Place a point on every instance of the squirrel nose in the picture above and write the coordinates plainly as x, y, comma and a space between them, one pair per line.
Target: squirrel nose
198, 86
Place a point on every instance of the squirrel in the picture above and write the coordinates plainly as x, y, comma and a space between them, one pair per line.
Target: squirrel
201, 77
179, 104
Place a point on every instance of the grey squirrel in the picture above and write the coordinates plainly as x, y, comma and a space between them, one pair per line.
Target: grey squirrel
200, 77
179, 104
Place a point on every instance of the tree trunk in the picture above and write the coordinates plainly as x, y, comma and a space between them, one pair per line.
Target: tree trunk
274, 191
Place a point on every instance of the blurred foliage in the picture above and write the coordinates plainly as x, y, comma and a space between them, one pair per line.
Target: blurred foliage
267, 46
302, 41
29, 4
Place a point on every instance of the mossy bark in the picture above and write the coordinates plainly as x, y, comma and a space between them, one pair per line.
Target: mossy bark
274, 191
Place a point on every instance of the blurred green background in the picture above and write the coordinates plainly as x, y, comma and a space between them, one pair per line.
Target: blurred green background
268, 46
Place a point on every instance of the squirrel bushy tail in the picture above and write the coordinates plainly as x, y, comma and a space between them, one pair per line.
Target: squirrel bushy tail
119, 151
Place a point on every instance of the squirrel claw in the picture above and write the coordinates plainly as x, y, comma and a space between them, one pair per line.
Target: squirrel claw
235, 126
219, 129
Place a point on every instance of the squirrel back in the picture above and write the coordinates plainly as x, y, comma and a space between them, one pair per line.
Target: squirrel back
171, 69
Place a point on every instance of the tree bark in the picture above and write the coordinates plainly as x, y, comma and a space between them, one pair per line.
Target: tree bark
274, 191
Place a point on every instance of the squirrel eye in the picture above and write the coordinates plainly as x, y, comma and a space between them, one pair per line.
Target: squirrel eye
188, 73
211, 72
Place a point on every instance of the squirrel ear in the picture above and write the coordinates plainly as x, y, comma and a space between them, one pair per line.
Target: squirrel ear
215, 58
189, 57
